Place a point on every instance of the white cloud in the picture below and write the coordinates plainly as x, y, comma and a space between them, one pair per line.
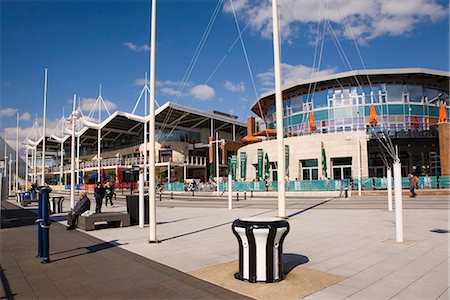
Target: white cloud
172, 92
364, 19
87, 104
136, 48
8, 112
203, 92
234, 87
140, 82
25, 116
291, 75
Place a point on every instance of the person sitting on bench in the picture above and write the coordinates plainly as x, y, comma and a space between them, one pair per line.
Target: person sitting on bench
82, 205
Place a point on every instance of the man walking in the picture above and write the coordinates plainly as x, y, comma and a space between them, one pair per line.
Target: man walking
99, 193
412, 185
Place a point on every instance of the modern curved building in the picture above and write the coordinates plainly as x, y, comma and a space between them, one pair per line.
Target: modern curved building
327, 118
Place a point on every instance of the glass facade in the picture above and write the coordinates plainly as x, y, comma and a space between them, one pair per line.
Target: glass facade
399, 107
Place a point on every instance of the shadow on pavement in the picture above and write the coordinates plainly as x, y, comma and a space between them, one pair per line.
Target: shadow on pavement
90, 249
291, 261
14, 216
7, 293
308, 208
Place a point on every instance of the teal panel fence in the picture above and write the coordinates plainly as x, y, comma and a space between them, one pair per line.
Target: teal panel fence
444, 182
175, 187
428, 182
405, 183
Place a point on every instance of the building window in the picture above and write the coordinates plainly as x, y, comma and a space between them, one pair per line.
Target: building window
309, 169
342, 167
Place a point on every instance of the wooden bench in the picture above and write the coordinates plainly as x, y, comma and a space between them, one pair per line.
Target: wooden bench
111, 218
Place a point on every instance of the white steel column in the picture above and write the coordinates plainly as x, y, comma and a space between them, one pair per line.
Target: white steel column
99, 139
5, 157
72, 157
78, 159
26, 170
44, 129
398, 202
141, 199
35, 165
185, 172
152, 194
217, 162
61, 167
359, 166
279, 115
145, 130
234, 132
9, 175
389, 188
17, 155
169, 180
230, 190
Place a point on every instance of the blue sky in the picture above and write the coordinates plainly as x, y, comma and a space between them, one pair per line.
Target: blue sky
85, 43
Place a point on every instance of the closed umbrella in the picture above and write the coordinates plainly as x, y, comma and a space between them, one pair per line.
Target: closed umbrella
267, 168
442, 114
312, 124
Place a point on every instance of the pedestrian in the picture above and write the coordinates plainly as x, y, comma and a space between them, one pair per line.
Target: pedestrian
412, 185
84, 204
109, 190
99, 193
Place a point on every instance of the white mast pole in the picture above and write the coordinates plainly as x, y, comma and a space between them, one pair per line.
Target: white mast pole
217, 162
44, 129
35, 165
152, 194
9, 175
145, 132
5, 157
99, 135
359, 166
26, 169
398, 199
17, 155
72, 157
279, 115
78, 160
61, 167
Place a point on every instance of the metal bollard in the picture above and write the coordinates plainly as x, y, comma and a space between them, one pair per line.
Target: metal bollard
160, 196
192, 193
45, 224
346, 192
38, 222
237, 196
251, 193
171, 195
245, 195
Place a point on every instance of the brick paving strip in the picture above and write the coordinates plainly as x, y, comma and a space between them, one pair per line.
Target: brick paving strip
84, 267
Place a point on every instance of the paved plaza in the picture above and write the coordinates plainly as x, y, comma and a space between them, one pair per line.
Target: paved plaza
351, 238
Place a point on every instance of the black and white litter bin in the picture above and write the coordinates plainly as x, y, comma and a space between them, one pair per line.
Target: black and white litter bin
260, 248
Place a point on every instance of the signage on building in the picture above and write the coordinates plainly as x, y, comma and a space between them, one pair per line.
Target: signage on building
243, 165
260, 163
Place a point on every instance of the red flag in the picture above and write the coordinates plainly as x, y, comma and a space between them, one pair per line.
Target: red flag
442, 114
102, 176
373, 118
118, 175
312, 124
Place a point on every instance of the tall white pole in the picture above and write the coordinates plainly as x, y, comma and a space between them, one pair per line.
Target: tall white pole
5, 157
279, 114
152, 194
35, 165
141, 199
72, 157
9, 175
99, 138
145, 131
217, 162
17, 155
26, 170
44, 122
61, 167
78, 160
230, 190
389, 188
398, 202
359, 167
